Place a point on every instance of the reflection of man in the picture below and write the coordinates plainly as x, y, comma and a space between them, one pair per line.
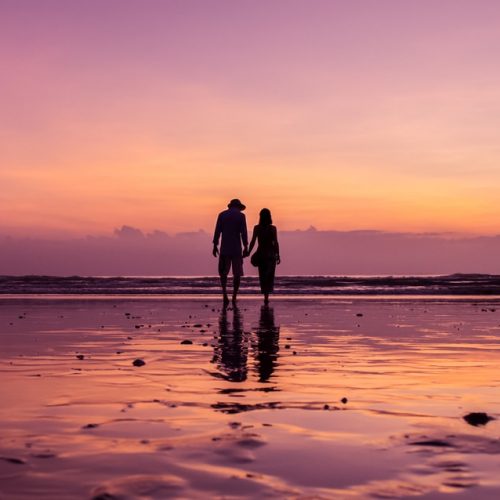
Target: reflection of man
231, 352
232, 225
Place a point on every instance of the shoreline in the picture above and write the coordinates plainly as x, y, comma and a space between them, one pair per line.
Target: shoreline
254, 297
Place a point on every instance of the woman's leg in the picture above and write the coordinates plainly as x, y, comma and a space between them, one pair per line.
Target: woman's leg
267, 279
262, 278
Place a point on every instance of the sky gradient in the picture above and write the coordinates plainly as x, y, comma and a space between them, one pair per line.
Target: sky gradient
373, 114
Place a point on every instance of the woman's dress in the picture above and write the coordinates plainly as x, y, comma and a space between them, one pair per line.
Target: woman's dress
266, 239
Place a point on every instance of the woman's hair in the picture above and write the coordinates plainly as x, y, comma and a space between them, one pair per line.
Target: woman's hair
265, 217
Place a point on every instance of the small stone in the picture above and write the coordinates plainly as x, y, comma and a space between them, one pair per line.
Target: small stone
287, 346
138, 362
198, 325
359, 315
295, 353
186, 342
80, 356
326, 407
44, 455
344, 400
439, 443
104, 496
477, 418
90, 426
16, 461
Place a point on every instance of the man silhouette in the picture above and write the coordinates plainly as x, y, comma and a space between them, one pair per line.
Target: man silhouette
232, 225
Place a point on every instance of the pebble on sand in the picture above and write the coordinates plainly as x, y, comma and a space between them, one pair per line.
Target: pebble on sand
80, 356
344, 400
359, 315
186, 342
17, 461
138, 362
104, 496
477, 418
90, 426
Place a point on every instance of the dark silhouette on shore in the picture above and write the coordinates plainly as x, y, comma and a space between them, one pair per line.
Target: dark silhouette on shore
232, 225
267, 254
267, 344
231, 350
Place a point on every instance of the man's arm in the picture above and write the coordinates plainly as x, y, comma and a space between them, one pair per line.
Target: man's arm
217, 233
244, 235
254, 239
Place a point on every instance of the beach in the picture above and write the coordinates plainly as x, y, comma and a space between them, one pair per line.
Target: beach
125, 397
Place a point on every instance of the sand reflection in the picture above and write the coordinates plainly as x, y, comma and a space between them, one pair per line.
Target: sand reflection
373, 393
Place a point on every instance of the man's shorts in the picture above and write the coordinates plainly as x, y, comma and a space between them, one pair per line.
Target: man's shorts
226, 262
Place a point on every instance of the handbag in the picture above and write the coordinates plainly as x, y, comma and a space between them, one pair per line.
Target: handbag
256, 259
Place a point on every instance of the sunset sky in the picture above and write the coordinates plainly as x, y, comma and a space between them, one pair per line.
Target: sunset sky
359, 114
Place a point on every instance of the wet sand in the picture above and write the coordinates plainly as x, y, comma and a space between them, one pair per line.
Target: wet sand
310, 398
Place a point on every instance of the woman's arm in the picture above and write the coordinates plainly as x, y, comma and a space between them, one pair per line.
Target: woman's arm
277, 246
254, 238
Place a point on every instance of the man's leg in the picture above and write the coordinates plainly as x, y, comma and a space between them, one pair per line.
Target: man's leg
223, 272
237, 264
236, 287
223, 282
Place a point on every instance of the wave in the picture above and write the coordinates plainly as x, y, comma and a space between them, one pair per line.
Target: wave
456, 284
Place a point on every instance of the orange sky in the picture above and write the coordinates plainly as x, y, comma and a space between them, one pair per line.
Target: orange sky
360, 115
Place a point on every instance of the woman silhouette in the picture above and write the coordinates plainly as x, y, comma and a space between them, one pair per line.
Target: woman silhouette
267, 254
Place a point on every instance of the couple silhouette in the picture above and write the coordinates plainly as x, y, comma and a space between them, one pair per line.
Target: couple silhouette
231, 229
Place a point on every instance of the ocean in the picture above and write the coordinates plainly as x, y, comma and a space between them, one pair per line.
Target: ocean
451, 285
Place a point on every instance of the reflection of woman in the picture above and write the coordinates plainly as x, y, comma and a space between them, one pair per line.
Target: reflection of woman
267, 346
268, 251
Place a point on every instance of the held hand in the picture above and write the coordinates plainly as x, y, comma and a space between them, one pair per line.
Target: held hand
215, 251
278, 259
246, 253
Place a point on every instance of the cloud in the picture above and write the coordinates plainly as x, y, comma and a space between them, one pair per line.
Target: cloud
128, 232
131, 252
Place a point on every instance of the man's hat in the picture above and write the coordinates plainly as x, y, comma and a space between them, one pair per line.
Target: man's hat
237, 204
